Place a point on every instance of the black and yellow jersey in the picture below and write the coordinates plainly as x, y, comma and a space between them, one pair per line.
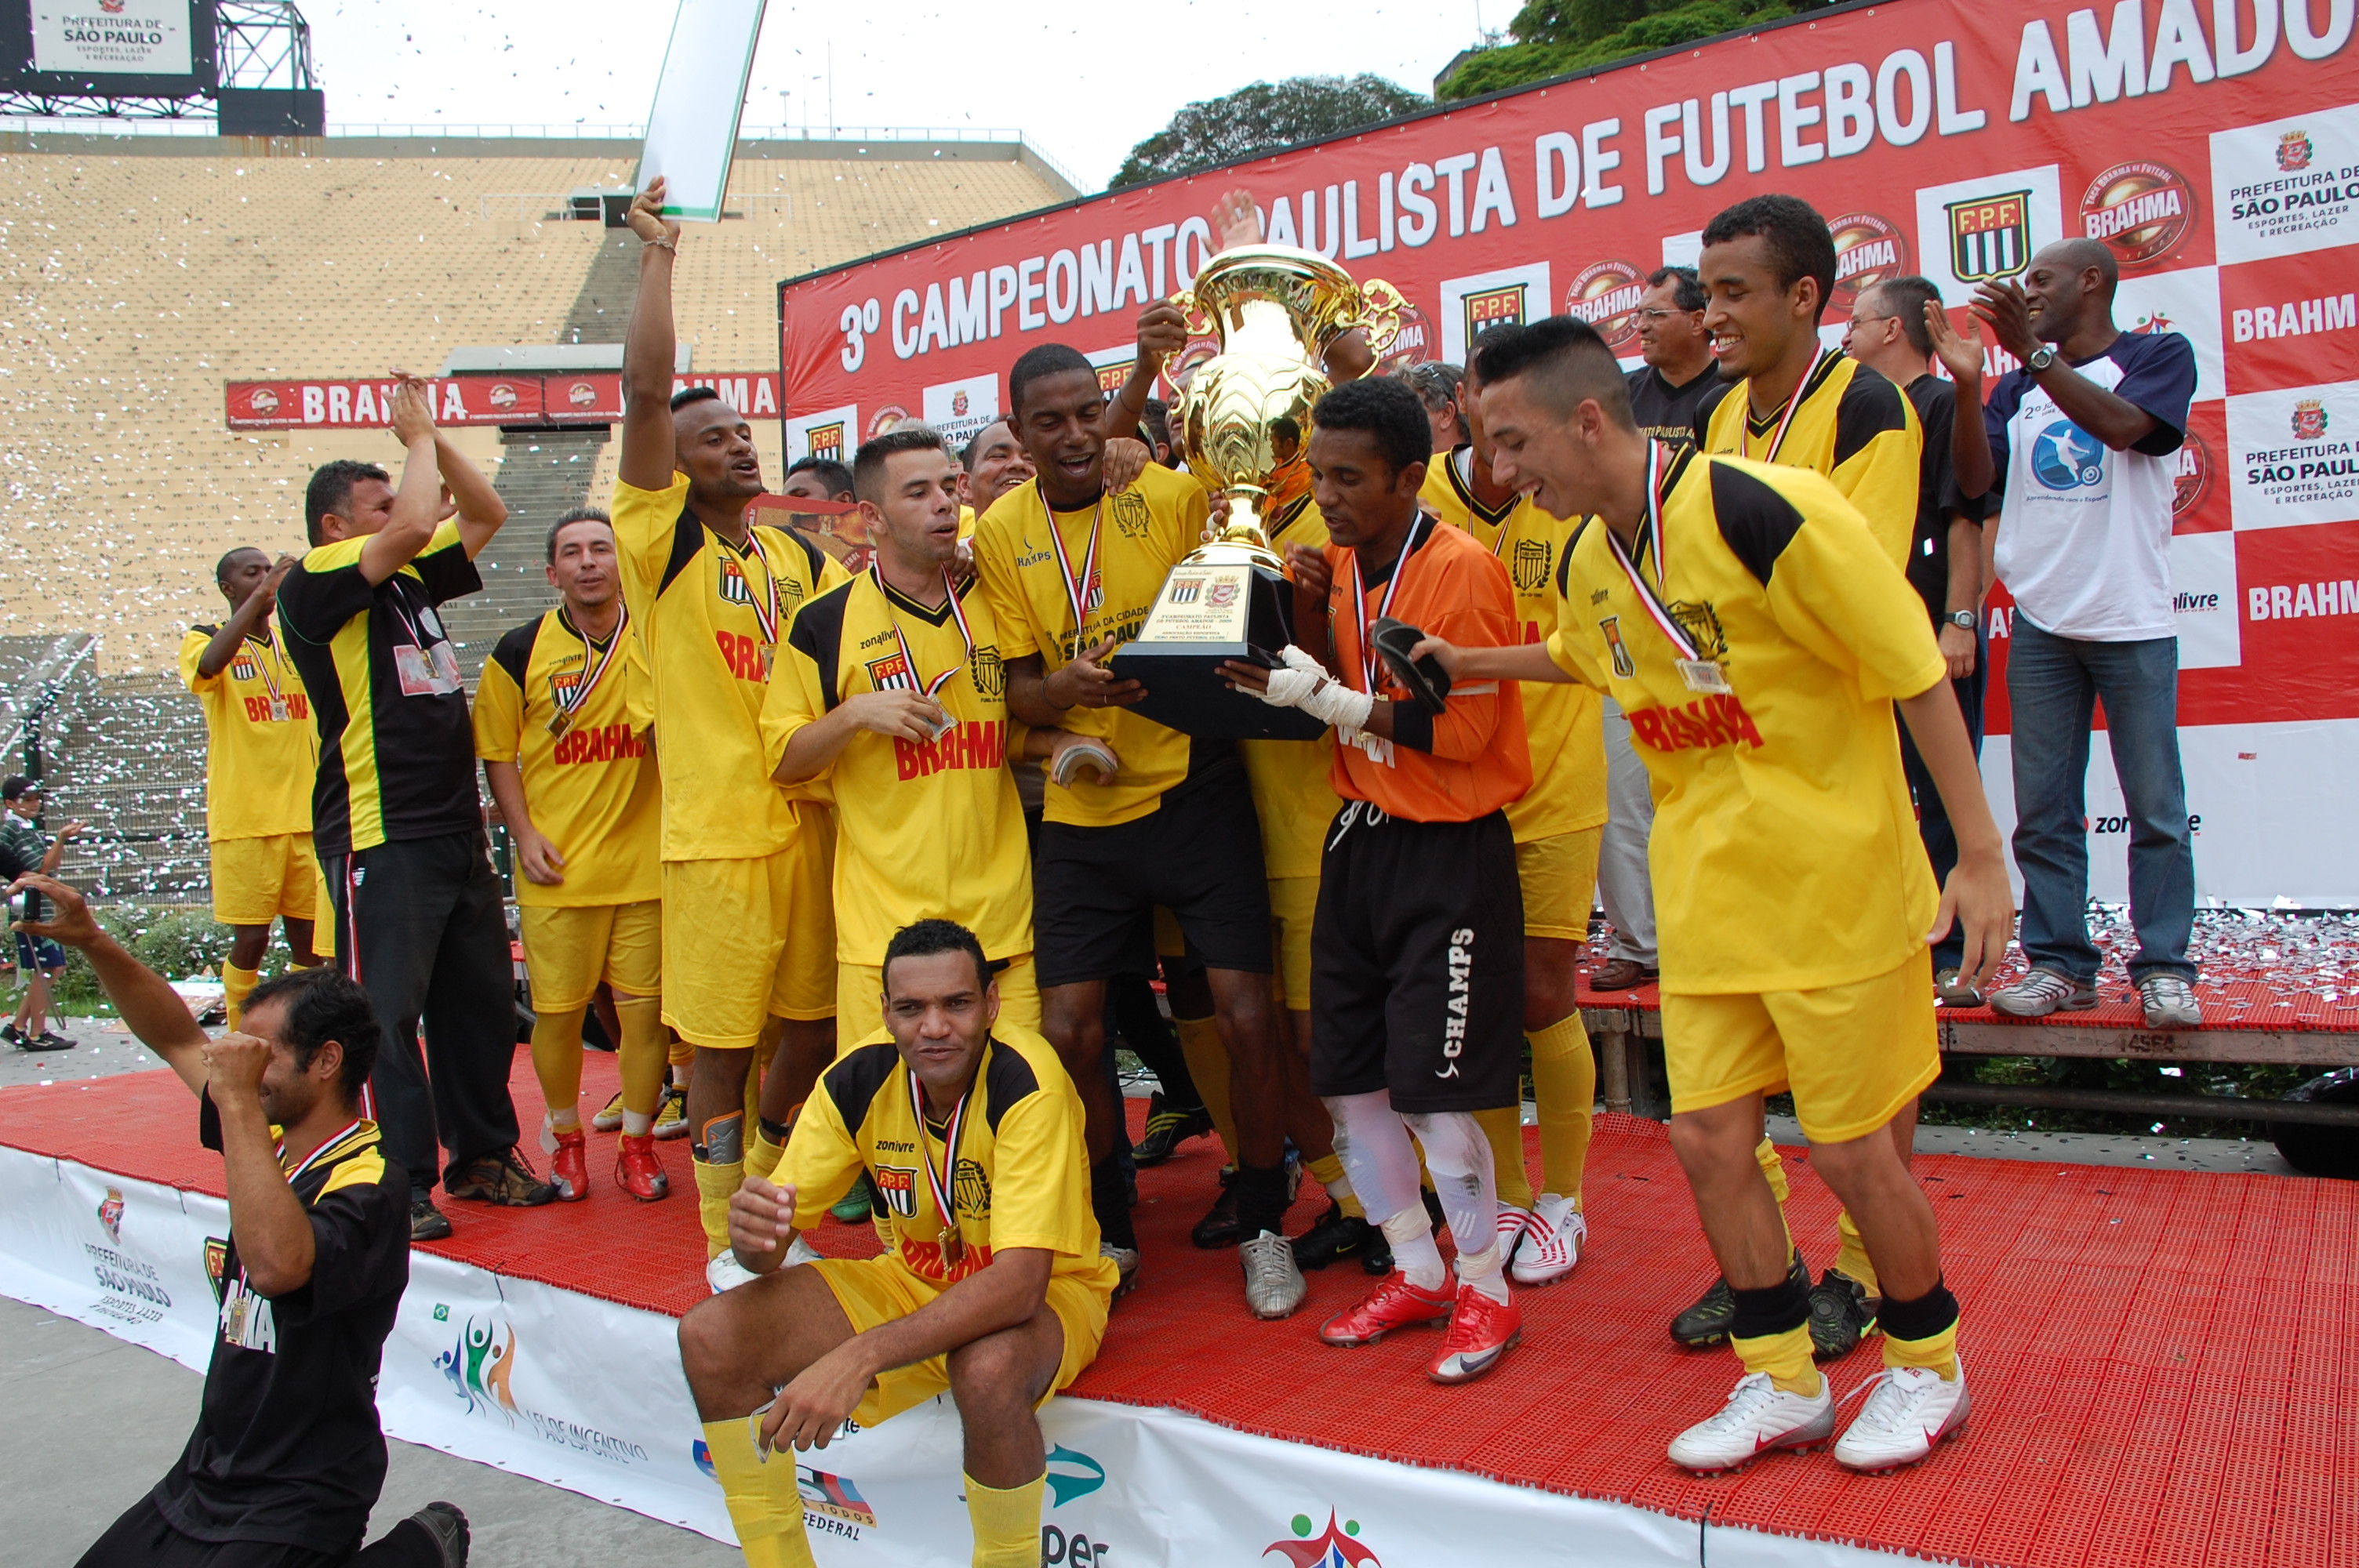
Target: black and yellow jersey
1293, 791
1563, 725
593, 790
262, 753
396, 752
1853, 426
925, 829
1020, 1175
1024, 561
1780, 799
287, 1447
710, 614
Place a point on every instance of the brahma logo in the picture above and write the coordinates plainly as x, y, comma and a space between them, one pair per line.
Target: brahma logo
110, 1214
1411, 344
833, 1504
1869, 249
2309, 420
479, 1364
1501, 306
826, 442
2191, 480
2294, 151
1334, 1547
1603, 294
2066, 457
501, 396
2141, 211
1990, 236
263, 400
890, 417
582, 394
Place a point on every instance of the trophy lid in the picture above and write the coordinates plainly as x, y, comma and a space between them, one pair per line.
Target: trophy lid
1317, 297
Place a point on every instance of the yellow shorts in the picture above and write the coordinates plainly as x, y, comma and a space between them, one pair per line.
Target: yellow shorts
1852, 1055
1558, 874
257, 881
568, 951
1292, 901
748, 940
860, 992
875, 1291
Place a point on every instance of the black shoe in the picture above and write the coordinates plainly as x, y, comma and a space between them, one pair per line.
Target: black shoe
1336, 1235
53, 1041
42, 1041
1376, 1261
1841, 1314
1219, 1227
427, 1223
448, 1526
1167, 1129
502, 1179
1706, 1323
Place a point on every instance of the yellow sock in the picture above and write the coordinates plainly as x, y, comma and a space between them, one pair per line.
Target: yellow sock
764, 1502
1565, 1082
763, 1157
1327, 1171
236, 986
716, 1185
557, 1056
1785, 1356
1208, 1063
1937, 1353
1851, 1255
1504, 1126
641, 1052
1006, 1524
1774, 1169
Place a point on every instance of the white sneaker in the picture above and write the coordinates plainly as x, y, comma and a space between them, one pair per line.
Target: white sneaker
1125, 1264
1908, 1412
1513, 1223
1274, 1286
725, 1273
800, 1251
608, 1119
1552, 1243
2169, 1002
1759, 1416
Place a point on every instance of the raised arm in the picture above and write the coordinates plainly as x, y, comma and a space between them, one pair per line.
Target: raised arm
1961, 356
649, 347
150, 1008
417, 504
480, 510
243, 620
2111, 418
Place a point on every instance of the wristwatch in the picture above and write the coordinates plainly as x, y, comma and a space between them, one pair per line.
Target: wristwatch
2042, 358
1964, 618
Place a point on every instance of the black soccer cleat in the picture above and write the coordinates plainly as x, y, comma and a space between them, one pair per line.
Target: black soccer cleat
1167, 1129
1707, 1322
1219, 1227
448, 1526
1335, 1234
427, 1223
1842, 1314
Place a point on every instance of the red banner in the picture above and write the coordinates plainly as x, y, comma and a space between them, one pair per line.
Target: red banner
2214, 145
576, 398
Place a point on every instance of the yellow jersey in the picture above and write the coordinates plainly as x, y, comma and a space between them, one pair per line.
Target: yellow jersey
1293, 792
1785, 850
593, 790
1851, 425
924, 830
261, 751
1032, 571
710, 615
1018, 1175
1565, 725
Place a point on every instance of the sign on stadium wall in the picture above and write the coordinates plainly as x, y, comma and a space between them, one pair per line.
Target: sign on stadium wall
586, 397
2214, 145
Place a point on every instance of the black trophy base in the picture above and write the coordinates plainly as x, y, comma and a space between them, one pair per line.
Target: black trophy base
1187, 692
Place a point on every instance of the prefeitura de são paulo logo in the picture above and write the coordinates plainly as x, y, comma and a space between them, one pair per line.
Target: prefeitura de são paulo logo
2309, 420
1337, 1546
2294, 150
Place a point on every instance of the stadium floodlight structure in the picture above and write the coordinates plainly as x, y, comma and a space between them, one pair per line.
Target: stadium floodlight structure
245, 62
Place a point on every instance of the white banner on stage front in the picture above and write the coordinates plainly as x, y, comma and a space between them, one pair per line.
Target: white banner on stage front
587, 1395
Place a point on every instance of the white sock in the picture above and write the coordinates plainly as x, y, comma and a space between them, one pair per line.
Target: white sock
638, 1123
1484, 1272
1414, 1253
1460, 1158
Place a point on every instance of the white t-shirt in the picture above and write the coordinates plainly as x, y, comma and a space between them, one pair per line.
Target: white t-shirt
2085, 534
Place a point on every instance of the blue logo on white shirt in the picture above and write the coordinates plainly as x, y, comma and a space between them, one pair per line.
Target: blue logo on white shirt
2066, 457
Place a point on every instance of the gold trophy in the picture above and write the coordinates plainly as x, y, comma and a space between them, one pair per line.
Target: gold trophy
1244, 423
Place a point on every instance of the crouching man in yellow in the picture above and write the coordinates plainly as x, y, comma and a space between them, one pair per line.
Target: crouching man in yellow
992, 1291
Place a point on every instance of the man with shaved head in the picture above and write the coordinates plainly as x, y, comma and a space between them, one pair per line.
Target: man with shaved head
2084, 438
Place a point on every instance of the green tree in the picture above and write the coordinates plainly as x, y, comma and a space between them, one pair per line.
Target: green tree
1261, 119
1554, 37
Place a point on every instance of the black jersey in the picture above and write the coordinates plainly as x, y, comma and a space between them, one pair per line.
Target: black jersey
1671, 413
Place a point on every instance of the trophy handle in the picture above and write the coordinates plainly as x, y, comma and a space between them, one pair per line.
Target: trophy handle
1381, 308
1198, 324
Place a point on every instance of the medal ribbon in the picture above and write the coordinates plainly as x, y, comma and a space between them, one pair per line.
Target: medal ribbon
769, 622
1369, 659
1076, 589
566, 707
1793, 404
269, 680
1647, 595
311, 1159
939, 1181
909, 657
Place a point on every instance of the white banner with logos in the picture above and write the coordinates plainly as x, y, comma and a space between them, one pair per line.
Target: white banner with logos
94, 38
587, 1395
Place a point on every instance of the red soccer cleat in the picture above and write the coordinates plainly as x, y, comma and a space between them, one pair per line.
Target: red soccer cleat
1394, 1303
569, 1168
1481, 1332
637, 1170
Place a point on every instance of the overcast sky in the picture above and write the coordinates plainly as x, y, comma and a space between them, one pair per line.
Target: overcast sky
1085, 84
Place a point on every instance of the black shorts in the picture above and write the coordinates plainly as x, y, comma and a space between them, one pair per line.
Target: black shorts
1417, 962
1198, 854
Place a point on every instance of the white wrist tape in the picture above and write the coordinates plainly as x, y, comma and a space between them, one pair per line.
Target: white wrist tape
1339, 705
1300, 681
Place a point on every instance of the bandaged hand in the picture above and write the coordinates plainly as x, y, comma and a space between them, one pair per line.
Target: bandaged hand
1300, 681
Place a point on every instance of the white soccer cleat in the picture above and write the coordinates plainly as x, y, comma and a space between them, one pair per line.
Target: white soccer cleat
725, 1273
1552, 1242
1759, 1416
1274, 1286
1513, 1223
1908, 1412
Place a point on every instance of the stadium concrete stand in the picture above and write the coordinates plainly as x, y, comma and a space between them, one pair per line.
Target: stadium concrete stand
145, 271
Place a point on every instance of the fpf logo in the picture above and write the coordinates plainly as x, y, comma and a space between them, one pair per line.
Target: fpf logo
733, 582
826, 442
1501, 306
563, 685
898, 1184
243, 667
1337, 1546
1187, 589
2309, 420
2141, 211
110, 1214
891, 672
1990, 236
2294, 151
1605, 295
479, 1364
1869, 249
1111, 377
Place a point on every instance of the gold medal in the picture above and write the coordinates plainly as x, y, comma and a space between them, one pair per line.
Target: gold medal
954, 1244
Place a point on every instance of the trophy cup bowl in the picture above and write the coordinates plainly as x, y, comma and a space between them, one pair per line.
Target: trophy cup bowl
1244, 423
